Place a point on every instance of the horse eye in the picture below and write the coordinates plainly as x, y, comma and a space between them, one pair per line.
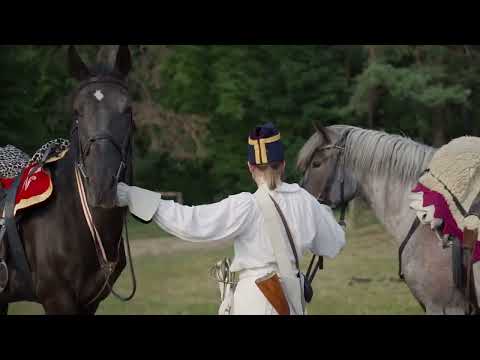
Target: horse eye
316, 164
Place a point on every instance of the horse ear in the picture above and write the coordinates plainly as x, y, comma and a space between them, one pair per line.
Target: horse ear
316, 125
78, 69
322, 131
123, 62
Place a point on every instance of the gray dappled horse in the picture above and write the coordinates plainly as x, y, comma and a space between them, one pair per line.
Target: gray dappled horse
383, 169
69, 276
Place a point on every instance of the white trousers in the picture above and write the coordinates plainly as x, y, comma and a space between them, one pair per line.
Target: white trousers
248, 299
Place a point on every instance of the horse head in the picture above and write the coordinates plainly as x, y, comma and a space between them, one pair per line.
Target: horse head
325, 174
103, 123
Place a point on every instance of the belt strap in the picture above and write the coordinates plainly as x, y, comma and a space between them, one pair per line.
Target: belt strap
257, 272
289, 234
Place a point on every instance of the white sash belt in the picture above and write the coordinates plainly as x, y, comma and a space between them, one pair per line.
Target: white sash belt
276, 232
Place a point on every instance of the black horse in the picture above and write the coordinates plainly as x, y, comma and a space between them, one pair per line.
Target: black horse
67, 272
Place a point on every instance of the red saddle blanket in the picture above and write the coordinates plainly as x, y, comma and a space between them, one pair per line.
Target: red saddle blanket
442, 211
35, 187
448, 190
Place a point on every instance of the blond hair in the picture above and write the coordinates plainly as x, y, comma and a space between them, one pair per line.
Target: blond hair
270, 174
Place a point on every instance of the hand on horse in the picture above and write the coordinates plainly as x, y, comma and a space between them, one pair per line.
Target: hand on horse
122, 195
141, 202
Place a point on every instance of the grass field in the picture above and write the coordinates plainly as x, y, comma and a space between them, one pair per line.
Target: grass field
173, 277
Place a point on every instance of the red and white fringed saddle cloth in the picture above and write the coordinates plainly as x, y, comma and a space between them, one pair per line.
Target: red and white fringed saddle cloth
35, 182
445, 194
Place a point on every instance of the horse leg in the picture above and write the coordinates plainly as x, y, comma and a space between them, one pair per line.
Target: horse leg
89, 310
60, 303
428, 273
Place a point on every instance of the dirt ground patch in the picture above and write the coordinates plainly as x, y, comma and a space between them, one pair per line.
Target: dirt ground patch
174, 278
170, 245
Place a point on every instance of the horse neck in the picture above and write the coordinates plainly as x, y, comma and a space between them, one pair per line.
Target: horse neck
388, 198
384, 188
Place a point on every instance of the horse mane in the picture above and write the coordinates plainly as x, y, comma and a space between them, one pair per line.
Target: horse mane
375, 152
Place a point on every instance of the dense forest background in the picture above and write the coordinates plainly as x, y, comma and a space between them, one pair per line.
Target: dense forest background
195, 104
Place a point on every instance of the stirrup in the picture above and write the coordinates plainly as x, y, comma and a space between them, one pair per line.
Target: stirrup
446, 242
3, 276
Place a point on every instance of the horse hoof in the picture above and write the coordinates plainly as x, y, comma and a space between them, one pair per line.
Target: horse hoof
3, 276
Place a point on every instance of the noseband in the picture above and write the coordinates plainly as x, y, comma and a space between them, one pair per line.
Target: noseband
121, 149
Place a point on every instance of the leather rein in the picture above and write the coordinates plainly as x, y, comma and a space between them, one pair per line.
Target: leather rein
81, 175
339, 161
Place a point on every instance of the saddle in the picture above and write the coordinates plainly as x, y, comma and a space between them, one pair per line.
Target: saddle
23, 188
447, 198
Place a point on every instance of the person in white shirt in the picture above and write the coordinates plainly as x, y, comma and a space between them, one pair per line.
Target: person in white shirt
239, 218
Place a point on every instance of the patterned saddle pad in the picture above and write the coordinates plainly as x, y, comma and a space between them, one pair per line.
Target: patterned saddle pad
13, 161
35, 181
445, 194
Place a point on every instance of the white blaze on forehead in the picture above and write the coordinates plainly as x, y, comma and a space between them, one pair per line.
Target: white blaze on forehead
99, 95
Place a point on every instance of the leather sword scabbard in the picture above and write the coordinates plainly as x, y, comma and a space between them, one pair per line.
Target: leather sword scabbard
271, 287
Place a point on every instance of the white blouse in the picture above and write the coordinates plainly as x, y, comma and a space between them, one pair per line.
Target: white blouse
238, 218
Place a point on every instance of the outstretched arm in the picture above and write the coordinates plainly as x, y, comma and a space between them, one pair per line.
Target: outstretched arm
220, 221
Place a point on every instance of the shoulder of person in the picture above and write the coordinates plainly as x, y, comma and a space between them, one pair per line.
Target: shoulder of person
296, 190
242, 198
309, 198
284, 188
290, 188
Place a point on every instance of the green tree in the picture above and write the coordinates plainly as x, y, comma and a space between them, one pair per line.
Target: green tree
240, 86
421, 89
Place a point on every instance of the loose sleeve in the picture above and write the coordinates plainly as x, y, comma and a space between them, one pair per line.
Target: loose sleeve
215, 222
141, 203
329, 236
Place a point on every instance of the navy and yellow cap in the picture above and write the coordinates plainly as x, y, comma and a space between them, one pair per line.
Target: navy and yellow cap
265, 145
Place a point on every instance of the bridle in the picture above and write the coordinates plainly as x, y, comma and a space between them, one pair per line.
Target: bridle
81, 175
339, 161
123, 149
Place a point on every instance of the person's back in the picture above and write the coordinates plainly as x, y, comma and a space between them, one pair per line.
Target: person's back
313, 229
312, 225
241, 219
